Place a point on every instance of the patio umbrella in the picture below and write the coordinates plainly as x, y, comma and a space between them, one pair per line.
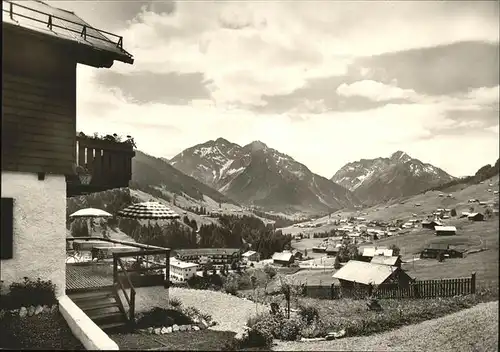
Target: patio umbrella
148, 211
90, 213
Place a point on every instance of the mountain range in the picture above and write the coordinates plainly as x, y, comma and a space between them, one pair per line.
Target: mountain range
257, 175
382, 179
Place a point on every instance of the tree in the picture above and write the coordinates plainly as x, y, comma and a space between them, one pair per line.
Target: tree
337, 265
305, 252
453, 212
395, 250
488, 213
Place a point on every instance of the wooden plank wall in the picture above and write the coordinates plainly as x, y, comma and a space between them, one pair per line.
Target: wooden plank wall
38, 105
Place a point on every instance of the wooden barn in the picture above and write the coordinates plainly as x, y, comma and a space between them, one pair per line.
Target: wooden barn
431, 224
475, 217
433, 250
445, 230
356, 273
283, 258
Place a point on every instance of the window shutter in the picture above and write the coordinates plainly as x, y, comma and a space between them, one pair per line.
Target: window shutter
7, 235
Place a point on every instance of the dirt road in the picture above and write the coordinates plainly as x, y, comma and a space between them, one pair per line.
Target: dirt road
474, 329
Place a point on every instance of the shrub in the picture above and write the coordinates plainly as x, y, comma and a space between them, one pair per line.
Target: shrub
231, 286
158, 317
308, 313
261, 330
175, 303
258, 336
316, 329
29, 293
290, 329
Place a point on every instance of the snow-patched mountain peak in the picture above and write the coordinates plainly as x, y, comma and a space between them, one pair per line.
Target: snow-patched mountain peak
381, 178
256, 146
257, 173
400, 156
222, 141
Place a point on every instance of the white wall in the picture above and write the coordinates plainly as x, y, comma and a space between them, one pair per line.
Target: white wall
39, 228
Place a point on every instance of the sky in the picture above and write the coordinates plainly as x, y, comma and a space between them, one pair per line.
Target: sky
325, 82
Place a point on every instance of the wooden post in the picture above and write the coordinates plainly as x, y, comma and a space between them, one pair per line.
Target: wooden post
132, 306
473, 283
167, 269
115, 269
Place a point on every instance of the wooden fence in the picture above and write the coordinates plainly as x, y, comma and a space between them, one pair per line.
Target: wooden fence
417, 289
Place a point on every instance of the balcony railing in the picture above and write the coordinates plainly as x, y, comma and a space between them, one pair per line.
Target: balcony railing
108, 163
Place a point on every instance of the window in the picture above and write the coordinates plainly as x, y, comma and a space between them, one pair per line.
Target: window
7, 234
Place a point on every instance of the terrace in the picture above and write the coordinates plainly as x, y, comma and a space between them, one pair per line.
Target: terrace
102, 274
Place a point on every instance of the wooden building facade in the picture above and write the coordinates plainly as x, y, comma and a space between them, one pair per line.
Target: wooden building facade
41, 47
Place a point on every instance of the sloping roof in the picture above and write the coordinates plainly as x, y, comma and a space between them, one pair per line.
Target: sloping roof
332, 248
34, 15
473, 215
283, 256
438, 246
436, 222
248, 253
445, 228
364, 273
181, 264
207, 251
373, 251
384, 260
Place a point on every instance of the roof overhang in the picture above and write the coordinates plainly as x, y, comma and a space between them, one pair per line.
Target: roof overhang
83, 54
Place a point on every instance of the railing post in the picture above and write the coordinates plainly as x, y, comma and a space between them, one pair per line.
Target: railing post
132, 307
11, 10
49, 24
115, 268
167, 269
473, 283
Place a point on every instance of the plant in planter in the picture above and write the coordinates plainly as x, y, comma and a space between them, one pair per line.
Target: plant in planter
29, 293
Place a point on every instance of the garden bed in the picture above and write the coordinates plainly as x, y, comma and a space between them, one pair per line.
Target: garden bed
333, 319
205, 340
47, 331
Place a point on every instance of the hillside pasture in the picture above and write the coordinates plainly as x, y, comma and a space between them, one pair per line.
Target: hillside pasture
470, 235
484, 264
429, 201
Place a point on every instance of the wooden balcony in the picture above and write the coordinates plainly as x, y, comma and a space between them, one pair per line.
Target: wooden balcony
109, 163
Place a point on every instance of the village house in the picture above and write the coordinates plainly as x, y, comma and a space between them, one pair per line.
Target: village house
333, 250
251, 256
475, 217
384, 260
40, 54
434, 249
284, 258
319, 249
182, 271
445, 230
358, 273
431, 224
297, 255
369, 252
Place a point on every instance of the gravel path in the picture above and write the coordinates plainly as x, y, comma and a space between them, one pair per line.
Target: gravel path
230, 312
473, 329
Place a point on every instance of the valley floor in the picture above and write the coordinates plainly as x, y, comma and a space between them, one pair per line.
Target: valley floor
474, 329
